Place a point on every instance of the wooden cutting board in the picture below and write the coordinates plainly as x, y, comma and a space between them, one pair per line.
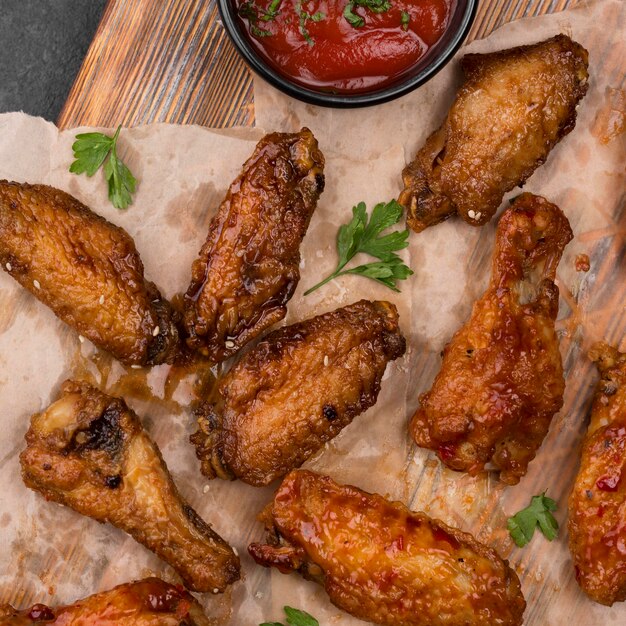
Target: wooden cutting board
171, 61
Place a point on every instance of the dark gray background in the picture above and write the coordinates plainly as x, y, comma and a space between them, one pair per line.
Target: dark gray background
42, 45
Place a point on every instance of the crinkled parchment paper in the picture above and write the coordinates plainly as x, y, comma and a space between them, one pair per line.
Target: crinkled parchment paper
51, 554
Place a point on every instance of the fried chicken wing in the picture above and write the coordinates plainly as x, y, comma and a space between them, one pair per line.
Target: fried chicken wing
501, 379
597, 504
383, 563
86, 270
248, 268
513, 108
297, 389
149, 602
89, 451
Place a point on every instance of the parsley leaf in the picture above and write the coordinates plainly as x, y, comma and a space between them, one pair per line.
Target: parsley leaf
304, 17
91, 151
272, 11
375, 6
404, 20
538, 513
295, 617
363, 236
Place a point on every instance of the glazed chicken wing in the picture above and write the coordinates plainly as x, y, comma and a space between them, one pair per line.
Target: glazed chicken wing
383, 563
86, 270
501, 379
297, 389
248, 268
597, 504
513, 108
89, 451
149, 602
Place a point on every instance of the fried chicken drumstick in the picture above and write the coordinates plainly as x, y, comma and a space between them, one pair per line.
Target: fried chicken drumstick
383, 563
501, 379
248, 268
513, 108
297, 389
149, 602
89, 451
87, 271
597, 504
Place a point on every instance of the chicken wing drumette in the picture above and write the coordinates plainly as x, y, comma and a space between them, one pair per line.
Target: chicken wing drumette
86, 270
295, 390
89, 451
597, 504
149, 602
248, 268
513, 108
383, 563
501, 379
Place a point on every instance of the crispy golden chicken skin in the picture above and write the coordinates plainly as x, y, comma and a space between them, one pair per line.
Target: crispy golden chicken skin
383, 563
597, 504
86, 270
297, 389
501, 379
89, 451
149, 602
513, 108
248, 268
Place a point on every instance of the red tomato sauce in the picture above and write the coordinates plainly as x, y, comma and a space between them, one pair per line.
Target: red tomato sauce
318, 46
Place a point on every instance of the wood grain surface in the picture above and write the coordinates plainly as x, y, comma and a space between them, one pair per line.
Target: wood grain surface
171, 61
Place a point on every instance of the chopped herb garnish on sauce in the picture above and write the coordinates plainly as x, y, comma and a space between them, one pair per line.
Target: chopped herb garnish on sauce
375, 6
538, 513
304, 18
362, 236
272, 11
404, 20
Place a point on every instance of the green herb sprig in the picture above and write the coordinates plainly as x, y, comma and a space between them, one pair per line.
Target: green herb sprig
376, 6
538, 513
295, 617
91, 150
361, 236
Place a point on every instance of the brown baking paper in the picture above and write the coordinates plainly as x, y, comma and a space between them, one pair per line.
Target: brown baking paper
51, 554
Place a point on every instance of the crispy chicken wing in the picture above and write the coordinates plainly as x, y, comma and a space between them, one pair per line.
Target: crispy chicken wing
297, 389
89, 451
86, 270
501, 379
149, 602
514, 107
383, 563
248, 268
597, 504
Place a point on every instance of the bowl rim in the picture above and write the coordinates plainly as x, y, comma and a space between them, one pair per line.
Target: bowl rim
260, 66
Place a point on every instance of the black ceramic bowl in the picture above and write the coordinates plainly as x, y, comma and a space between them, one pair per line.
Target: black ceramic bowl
427, 66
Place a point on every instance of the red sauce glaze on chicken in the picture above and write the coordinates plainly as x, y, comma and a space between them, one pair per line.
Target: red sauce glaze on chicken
344, 46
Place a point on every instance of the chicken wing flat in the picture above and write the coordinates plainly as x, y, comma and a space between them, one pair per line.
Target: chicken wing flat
296, 390
597, 504
89, 451
149, 602
86, 270
383, 563
501, 379
513, 108
248, 268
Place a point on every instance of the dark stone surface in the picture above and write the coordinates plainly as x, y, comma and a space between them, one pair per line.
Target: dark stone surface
42, 45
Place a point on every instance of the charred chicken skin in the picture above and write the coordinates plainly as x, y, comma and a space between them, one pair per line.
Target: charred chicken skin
89, 451
513, 108
383, 563
149, 602
248, 268
297, 389
87, 271
501, 379
597, 504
